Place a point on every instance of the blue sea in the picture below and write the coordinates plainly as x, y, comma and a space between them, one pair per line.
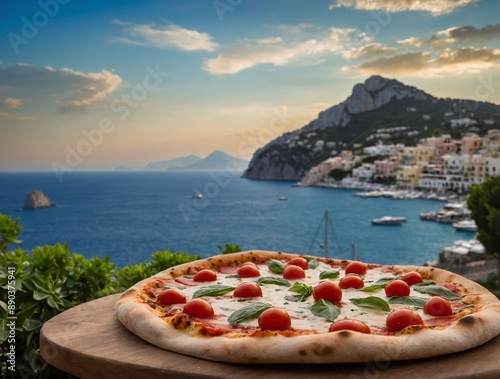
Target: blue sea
130, 215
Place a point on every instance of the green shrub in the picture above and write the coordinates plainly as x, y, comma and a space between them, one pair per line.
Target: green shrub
51, 280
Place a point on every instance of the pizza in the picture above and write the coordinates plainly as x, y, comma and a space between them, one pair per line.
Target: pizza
275, 307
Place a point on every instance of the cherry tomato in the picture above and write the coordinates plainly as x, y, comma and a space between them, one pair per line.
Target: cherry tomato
293, 272
401, 318
171, 296
248, 271
356, 267
437, 306
299, 261
274, 319
327, 290
249, 264
199, 308
348, 324
205, 275
248, 289
412, 278
397, 288
351, 281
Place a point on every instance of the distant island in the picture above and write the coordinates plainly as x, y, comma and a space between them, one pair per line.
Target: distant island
37, 199
217, 160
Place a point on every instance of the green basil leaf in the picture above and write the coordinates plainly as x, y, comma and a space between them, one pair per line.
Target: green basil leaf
372, 302
214, 290
386, 279
249, 312
273, 280
414, 301
275, 266
328, 274
373, 287
313, 263
302, 289
437, 290
324, 308
425, 284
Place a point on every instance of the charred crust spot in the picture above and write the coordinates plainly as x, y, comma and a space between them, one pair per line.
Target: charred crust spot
344, 334
323, 350
467, 321
303, 352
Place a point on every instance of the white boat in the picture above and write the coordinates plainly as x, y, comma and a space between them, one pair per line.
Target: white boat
466, 225
389, 220
282, 198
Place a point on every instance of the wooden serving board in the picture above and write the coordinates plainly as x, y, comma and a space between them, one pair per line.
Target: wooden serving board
88, 341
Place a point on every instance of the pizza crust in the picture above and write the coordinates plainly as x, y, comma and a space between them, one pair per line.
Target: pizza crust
340, 347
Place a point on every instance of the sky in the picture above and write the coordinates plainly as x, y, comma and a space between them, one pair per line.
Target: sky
93, 85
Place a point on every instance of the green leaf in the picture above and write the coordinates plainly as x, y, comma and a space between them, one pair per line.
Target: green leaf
214, 290
249, 312
273, 280
40, 295
372, 302
379, 284
324, 308
275, 266
328, 274
373, 288
302, 289
313, 263
31, 324
437, 290
413, 301
40, 283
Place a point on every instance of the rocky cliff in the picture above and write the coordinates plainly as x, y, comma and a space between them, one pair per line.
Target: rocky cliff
377, 103
36, 199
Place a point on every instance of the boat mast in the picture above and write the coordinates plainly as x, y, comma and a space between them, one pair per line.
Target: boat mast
325, 244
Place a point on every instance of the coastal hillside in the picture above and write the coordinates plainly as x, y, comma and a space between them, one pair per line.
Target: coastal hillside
375, 107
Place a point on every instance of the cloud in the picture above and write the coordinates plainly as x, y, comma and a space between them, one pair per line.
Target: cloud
467, 60
370, 50
75, 90
456, 35
12, 116
435, 7
277, 52
12, 102
169, 36
397, 65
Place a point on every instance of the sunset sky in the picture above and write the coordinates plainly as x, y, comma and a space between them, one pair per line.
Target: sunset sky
91, 85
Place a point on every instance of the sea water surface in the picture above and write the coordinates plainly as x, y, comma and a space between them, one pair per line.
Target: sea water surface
130, 215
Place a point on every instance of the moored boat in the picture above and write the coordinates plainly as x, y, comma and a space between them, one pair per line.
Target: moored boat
389, 220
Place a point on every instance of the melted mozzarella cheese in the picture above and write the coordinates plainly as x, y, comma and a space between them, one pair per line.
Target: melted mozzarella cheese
300, 312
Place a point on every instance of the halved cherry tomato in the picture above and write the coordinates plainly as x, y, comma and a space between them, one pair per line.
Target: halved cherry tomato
248, 271
171, 296
356, 267
348, 324
397, 288
274, 319
412, 278
205, 275
247, 289
249, 264
293, 272
351, 281
327, 290
401, 318
437, 306
199, 308
299, 261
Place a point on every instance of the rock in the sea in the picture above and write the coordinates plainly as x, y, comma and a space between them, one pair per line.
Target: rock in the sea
36, 199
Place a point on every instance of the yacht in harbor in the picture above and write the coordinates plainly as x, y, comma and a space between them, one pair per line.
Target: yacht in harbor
389, 220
